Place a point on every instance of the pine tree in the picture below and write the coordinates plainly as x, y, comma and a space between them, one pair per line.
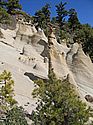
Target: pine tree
87, 38
3, 3
61, 14
39, 18
73, 20
47, 13
42, 17
10, 113
15, 116
13, 6
4, 16
58, 104
6, 92
53, 21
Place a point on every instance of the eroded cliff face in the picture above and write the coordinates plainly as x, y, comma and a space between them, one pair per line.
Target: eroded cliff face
20, 53
74, 63
24, 52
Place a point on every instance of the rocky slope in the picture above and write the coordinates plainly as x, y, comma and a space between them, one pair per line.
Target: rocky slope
24, 52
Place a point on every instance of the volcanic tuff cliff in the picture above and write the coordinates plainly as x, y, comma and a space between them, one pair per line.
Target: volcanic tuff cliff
24, 52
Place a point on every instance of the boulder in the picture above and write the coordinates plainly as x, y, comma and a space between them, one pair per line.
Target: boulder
89, 98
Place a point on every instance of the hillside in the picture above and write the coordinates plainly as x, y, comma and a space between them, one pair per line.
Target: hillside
23, 52
46, 64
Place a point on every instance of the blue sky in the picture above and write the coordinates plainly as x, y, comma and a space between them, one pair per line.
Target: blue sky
83, 7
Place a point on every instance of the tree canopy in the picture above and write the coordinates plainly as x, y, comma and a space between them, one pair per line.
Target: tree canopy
58, 104
42, 18
61, 14
12, 6
15, 116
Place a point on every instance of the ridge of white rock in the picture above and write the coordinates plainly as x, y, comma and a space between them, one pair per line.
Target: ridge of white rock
23, 52
25, 67
74, 62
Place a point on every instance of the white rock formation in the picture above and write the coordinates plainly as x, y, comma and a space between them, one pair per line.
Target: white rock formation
19, 65
23, 52
74, 62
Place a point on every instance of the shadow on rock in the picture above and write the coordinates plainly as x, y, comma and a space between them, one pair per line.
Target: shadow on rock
33, 77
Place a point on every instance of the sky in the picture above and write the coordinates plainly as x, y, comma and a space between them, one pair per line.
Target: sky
84, 8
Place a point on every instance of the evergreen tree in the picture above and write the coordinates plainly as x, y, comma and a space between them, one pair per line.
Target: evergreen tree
15, 116
87, 39
42, 17
7, 90
53, 21
3, 3
61, 20
10, 114
58, 104
61, 14
81, 33
39, 18
6, 93
46, 12
73, 20
12, 6
4, 16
